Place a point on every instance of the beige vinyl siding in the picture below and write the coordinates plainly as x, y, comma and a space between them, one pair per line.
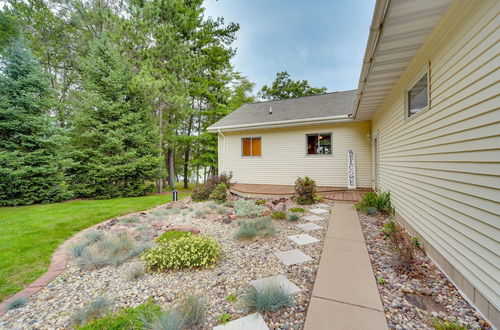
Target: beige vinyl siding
442, 166
284, 155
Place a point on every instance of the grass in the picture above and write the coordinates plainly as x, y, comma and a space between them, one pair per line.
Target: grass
251, 228
278, 215
267, 299
30, 234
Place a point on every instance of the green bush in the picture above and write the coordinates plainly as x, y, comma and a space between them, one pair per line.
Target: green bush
17, 303
172, 235
266, 299
446, 325
389, 227
278, 215
184, 252
94, 310
224, 318
293, 217
219, 193
247, 209
202, 192
297, 209
370, 210
381, 202
128, 318
251, 228
260, 202
305, 190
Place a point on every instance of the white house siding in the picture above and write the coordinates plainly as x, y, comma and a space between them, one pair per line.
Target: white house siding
284, 155
443, 165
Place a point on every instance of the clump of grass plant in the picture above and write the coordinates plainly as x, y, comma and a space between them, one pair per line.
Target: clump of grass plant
249, 229
199, 212
171, 235
293, 217
228, 204
278, 215
440, 324
129, 219
403, 248
193, 310
212, 206
94, 236
17, 303
135, 272
97, 308
190, 313
247, 209
224, 318
221, 210
297, 209
380, 201
266, 299
260, 202
370, 210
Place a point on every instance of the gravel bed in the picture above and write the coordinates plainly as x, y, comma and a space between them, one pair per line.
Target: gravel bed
412, 301
241, 262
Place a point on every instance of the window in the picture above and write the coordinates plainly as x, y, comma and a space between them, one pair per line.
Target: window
250, 147
418, 97
319, 144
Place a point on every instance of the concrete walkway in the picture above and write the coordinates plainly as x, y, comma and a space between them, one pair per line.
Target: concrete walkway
345, 294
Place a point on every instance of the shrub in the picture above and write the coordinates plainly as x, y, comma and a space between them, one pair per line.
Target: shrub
172, 235
404, 249
199, 212
94, 236
202, 192
381, 202
417, 241
129, 219
171, 319
381, 280
219, 193
135, 272
77, 249
266, 299
223, 318
446, 325
389, 228
193, 310
260, 202
95, 309
128, 318
247, 209
370, 210
228, 204
297, 210
231, 298
305, 190
278, 215
17, 303
221, 210
293, 217
252, 228
184, 252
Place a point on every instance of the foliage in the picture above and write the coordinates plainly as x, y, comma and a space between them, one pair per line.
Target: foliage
95, 309
135, 272
133, 318
249, 229
228, 204
370, 210
260, 202
224, 318
190, 313
171, 319
381, 280
129, 219
24, 258
389, 227
231, 298
305, 190
193, 310
31, 162
219, 193
221, 210
283, 87
417, 241
202, 192
297, 210
440, 324
184, 252
247, 209
293, 217
380, 201
171, 235
266, 299
17, 303
403, 248
278, 215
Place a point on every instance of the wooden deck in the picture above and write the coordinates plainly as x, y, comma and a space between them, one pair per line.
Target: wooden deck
276, 191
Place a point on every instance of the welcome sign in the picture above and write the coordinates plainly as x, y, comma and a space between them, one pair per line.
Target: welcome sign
351, 169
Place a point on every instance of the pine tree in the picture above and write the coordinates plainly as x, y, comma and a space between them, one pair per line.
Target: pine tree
114, 140
30, 162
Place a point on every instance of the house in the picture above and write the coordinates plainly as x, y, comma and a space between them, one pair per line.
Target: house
423, 124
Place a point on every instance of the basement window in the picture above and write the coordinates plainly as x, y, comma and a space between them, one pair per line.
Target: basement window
417, 97
319, 144
251, 147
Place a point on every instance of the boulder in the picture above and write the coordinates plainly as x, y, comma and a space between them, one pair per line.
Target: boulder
280, 207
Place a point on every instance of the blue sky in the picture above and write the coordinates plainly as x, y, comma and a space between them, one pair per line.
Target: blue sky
322, 41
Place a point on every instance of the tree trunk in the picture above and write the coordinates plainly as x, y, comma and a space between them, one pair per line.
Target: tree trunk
159, 183
171, 168
186, 154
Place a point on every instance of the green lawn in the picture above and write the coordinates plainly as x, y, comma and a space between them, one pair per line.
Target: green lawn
30, 234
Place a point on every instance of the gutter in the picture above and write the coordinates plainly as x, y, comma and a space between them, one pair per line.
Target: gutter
224, 150
284, 123
379, 15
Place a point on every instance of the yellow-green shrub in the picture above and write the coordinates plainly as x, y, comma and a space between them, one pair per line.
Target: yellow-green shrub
184, 252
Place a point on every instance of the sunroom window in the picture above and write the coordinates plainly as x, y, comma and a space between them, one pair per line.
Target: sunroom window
418, 97
251, 147
319, 144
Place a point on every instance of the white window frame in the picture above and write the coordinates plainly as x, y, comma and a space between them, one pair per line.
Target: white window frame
421, 74
331, 144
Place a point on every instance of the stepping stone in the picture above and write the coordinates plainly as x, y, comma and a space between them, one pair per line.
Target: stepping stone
280, 280
313, 218
250, 322
309, 226
303, 239
323, 205
292, 257
318, 211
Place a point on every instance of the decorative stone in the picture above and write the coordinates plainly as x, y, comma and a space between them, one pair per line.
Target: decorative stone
313, 218
279, 280
250, 322
309, 226
318, 211
292, 257
303, 239
280, 207
322, 205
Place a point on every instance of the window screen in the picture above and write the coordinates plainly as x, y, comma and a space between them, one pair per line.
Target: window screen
418, 98
319, 144
251, 147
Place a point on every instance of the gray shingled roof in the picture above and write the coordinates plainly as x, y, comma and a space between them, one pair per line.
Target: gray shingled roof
307, 107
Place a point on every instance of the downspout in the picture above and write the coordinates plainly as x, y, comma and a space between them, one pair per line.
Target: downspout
224, 151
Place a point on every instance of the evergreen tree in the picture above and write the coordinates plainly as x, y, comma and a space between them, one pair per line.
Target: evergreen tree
30, 163
284, 87
114, 140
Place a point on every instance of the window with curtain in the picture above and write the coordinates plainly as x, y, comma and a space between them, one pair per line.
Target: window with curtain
319, 144
251, 147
